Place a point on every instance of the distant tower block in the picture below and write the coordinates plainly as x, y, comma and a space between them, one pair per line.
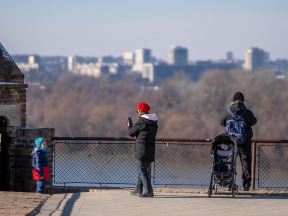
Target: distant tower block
143, 56
128, 58
71, 63
178, 55
230, 56
255, 58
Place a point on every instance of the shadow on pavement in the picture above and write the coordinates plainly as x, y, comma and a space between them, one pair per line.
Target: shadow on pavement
67, 210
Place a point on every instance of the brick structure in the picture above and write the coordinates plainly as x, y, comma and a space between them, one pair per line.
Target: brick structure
20, 151
16, 142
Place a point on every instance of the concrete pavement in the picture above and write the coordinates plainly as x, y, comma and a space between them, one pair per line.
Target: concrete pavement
120, 203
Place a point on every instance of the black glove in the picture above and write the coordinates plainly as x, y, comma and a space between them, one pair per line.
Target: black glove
130, 123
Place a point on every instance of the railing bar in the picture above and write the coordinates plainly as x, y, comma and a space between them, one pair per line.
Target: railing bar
131, 139
158, 139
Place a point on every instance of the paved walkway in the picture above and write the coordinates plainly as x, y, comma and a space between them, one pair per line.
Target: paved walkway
120, 203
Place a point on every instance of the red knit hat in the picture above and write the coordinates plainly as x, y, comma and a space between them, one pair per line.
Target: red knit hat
143, 107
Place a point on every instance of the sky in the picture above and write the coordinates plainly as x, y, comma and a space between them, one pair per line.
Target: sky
208, 28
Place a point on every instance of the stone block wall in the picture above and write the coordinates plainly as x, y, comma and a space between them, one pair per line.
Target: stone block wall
20, 157
13, 103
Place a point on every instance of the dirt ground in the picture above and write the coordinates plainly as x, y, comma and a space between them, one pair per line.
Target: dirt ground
20, 203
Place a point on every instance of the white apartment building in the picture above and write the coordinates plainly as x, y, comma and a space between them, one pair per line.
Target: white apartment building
32, 64
177, 55
255, 58
91, 69
128, 58
142, 56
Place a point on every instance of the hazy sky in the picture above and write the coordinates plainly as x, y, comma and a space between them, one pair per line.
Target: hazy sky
208, 28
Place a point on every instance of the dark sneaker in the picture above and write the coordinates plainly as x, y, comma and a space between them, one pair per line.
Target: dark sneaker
135, 193
146, 195
246, 187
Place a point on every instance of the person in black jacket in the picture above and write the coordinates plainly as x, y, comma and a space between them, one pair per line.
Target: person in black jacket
145, 130
244, 150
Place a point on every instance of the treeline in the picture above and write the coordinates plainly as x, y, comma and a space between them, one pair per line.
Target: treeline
84, 106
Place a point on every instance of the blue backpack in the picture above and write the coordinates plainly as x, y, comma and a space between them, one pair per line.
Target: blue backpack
236, 127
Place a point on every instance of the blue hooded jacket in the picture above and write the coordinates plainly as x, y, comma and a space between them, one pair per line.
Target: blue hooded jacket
39, 157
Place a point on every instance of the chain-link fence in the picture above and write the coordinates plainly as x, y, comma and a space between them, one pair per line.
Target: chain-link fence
272, 168
93, 162
178, 163
184, 164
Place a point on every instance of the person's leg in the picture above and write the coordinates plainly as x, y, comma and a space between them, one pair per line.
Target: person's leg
240, 153
145, 179
247, 172
245, 159
139, 186
40, 186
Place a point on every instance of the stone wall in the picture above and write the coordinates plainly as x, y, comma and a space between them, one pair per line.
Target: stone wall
13, 103
20, 157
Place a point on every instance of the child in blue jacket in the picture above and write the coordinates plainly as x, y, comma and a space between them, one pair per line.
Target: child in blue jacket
40, 168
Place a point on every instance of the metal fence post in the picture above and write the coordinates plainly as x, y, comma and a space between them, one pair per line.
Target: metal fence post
254, 144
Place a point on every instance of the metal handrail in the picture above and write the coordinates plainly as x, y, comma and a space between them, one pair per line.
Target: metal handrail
133, 139
162, 139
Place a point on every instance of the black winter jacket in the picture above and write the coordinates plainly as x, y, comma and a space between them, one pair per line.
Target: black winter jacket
249, 118
145, 130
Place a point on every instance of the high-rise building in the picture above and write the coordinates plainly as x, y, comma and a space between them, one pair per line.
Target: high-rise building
143, 56
229, 56
255, 58
128, 58
71, 63
178, 55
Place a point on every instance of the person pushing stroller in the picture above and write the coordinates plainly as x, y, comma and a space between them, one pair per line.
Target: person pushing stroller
236, 109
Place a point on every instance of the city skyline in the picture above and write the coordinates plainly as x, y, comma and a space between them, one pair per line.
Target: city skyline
97, 28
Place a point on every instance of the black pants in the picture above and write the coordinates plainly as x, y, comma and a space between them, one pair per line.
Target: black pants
143, 182
245, 158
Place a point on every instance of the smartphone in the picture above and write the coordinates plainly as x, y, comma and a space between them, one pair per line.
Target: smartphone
130, 123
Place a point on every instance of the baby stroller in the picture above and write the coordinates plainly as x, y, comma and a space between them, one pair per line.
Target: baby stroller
224, 153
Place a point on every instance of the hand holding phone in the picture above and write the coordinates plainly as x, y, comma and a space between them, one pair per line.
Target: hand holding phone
130, 123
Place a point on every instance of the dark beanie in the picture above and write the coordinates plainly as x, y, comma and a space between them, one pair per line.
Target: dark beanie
238, 96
